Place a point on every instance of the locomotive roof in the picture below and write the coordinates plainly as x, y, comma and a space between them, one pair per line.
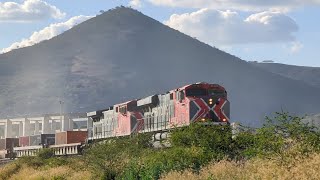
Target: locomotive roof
95, 114
200, 84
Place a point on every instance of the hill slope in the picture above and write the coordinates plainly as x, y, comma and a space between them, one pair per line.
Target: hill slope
123, 54
309, 75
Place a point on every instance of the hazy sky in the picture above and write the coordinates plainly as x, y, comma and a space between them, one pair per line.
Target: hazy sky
286, 31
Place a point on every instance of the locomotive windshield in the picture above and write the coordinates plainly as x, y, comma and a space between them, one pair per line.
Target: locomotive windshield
194, 92
216, 92
198, 91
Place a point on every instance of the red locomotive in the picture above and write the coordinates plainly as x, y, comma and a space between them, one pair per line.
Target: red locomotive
200, 102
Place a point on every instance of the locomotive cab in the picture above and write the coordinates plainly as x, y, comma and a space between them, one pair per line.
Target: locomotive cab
208, 103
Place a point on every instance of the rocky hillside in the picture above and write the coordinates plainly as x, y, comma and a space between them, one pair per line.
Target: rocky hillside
309, 75
123, 54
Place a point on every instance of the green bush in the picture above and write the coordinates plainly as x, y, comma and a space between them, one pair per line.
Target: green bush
278, 135
57, 161
34, 162
109, 158
196, 145
45, 153
243, 146
161, 161
211, 138
192, 147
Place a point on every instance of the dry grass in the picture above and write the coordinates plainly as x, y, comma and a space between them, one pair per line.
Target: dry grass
302, 168
8, 170
293, 167
62, 172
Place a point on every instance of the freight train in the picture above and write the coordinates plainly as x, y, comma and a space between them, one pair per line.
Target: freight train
200, 102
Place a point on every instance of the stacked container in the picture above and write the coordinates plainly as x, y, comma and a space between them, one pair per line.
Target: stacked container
70, 137
24, 141
42, 139
9, 143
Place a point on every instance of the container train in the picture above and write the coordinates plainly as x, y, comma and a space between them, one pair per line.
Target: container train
200, 102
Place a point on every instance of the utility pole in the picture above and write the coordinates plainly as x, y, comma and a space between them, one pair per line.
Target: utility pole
60, 102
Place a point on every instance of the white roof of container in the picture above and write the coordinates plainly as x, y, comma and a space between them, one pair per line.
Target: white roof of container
145, 101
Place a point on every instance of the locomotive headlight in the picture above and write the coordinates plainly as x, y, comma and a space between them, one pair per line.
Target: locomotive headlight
224, 120
203, 119
210, 101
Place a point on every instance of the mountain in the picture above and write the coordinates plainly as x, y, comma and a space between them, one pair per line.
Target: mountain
123, 54
309, 75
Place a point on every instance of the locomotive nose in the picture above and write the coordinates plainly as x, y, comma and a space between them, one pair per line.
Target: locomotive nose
225, 110
219, 109
211, 109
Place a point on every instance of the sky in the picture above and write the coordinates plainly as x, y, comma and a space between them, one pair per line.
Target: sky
286, 31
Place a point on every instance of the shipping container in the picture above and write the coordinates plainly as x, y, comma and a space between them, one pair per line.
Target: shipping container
9, 143
42, 139
24, 141
69, 137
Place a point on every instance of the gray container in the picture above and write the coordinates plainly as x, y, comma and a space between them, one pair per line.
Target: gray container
8, 143
42, 139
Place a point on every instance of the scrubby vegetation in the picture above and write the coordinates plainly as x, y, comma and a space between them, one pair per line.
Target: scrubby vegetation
257, 168
283, 148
